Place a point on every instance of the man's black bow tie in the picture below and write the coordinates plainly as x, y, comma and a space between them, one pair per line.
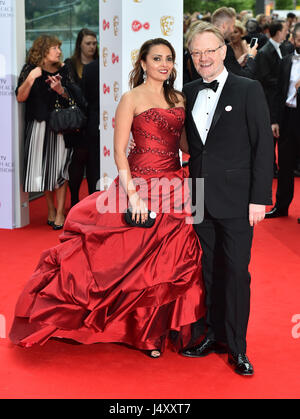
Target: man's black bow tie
213, 85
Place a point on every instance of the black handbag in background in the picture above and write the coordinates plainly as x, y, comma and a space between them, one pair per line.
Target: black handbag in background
65, 120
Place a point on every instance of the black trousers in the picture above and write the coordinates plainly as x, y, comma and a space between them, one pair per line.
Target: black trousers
84, 159
287, 155
226, 245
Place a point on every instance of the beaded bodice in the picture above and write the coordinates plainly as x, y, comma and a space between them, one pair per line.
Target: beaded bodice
156, 133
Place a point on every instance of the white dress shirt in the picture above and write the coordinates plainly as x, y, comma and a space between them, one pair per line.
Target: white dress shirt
276, 45
205, 106
291, 99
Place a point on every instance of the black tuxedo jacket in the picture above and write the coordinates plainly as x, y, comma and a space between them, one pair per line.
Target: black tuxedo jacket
282, 89
236, 161
90, 87
267, 72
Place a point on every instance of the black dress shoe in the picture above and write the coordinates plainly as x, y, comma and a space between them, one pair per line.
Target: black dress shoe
277, 212
206, 347
50, 223
241, 363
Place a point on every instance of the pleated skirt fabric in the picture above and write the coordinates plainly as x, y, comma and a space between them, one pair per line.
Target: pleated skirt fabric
47, 159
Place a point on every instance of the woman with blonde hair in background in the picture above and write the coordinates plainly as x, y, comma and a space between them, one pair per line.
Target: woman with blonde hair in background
238, 44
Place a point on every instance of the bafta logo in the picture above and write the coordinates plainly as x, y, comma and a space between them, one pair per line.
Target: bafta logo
167, 25
105, 56
116, 23
105, 119
134, 55
137, 1
116, 91
105, 181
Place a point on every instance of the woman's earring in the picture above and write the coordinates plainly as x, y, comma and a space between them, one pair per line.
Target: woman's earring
145, 76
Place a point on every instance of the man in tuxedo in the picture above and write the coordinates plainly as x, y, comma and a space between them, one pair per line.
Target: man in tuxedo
268, 63
224, 19
230, 145
286, 110
90, 86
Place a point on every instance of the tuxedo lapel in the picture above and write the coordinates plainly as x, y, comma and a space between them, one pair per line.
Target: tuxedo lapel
191, 103
287, 74
224, 100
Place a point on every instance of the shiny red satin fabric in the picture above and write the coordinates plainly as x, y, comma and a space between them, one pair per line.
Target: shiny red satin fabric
109, 282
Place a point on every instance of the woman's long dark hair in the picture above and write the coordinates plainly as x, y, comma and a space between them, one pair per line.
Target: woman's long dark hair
136, 75
76, 57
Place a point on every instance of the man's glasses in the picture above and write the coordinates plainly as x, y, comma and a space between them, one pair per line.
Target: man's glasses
206, 52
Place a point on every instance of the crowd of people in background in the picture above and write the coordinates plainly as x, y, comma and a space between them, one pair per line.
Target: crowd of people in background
53, 161
274, 60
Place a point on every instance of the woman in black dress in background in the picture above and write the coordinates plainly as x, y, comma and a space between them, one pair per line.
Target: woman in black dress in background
42, 81
86, 51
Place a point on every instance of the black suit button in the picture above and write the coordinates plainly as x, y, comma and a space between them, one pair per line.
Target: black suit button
204, 152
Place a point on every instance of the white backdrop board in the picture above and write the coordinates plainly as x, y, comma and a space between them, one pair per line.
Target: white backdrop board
124, 26
13, 202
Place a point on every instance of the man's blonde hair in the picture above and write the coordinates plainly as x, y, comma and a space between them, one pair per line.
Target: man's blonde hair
203, 27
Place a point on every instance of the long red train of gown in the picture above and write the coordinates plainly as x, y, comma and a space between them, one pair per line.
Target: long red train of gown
109, 282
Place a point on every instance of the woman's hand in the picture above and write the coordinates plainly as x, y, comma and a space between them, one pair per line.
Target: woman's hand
35, 73
243, 59
55, 84
131, 145
138, 208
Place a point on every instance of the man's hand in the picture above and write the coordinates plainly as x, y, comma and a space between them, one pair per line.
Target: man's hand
275, 130
256, 213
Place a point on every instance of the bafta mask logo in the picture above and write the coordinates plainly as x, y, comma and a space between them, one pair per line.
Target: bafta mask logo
105, 181
137, 1
134, 55
116, 23
105, 56
105, 119
167, 25
116, 91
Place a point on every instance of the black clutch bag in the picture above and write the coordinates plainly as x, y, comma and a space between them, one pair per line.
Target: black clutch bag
147, 224
66, 120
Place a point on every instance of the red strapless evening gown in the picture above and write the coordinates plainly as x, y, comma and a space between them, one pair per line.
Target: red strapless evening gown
109, 282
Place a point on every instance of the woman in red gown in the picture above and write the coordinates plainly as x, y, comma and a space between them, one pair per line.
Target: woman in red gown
108, 281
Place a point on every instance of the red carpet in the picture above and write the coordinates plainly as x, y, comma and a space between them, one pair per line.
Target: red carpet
61, 370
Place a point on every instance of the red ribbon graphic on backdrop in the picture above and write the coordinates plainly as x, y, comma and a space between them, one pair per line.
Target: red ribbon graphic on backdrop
106, 151
106, 89
113, 122
114, 58
137, 26
105, 25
